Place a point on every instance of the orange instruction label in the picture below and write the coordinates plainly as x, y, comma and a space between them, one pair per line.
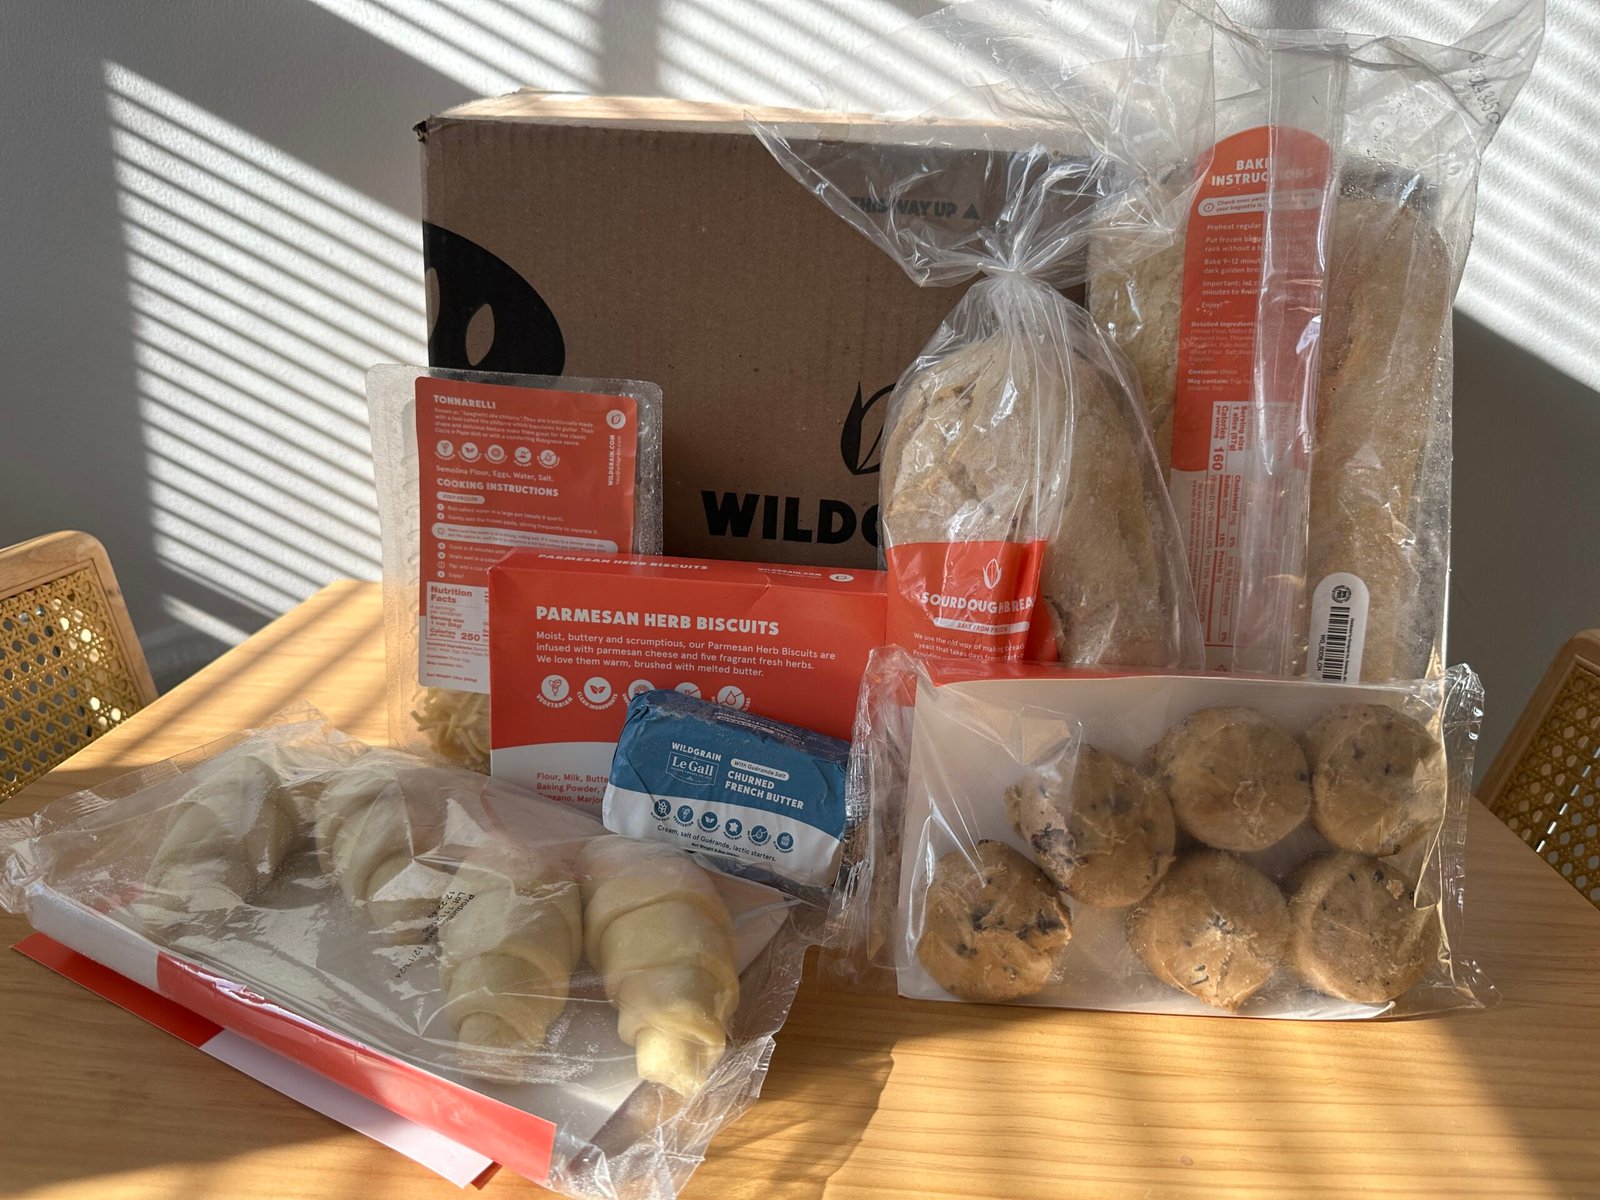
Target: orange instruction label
1252, 296
501, 468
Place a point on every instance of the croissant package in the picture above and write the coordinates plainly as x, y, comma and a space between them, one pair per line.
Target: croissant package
1023, 514
584, 1009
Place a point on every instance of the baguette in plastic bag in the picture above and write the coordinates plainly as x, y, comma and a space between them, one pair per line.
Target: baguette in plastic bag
1318, 523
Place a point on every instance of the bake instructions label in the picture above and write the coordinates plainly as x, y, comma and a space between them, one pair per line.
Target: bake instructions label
1252, 302
502, 468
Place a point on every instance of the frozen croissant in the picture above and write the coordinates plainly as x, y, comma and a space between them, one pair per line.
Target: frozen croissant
226, 837
374, 839
661, 936
506, 955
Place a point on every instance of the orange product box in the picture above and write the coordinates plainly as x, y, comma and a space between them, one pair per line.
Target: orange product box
574, 637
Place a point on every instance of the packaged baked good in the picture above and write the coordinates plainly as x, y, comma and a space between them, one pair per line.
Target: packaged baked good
761, 797
1293, 344
1022, 513
470, 466
1207, 844
576, 637
585, 1009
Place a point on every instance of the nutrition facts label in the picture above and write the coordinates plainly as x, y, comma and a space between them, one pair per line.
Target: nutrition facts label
1209, 505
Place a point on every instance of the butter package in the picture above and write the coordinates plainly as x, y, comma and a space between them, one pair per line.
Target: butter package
573, 638
711, 779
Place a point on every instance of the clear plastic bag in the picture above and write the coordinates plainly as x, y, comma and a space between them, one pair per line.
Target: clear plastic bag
546, 443
586, 1009
1022, 512
1214, 845
1301, 393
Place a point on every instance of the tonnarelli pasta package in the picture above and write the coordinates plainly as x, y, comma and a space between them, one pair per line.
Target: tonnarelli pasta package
1023, 513
1208, 844
1294, 342
471, 466
585, 1009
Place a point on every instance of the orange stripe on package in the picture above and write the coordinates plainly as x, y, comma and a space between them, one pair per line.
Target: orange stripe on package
1253, 280
573, 638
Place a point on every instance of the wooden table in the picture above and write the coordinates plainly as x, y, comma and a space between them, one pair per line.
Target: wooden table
867, 1096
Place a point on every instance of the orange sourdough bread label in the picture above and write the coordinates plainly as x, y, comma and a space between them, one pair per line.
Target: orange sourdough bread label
575, 637
965, 599
501, 468
1246, 348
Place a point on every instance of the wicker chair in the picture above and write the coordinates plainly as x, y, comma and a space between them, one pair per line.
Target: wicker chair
1545, 782
70, 664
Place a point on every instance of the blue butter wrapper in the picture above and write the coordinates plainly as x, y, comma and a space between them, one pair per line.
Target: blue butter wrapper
717, 781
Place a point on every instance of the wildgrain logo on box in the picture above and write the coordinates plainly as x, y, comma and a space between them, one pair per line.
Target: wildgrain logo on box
790, 518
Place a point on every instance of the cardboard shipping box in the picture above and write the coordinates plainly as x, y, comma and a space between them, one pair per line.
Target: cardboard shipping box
658, 240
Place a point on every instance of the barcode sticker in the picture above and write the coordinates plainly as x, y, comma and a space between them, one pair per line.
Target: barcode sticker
1338, 628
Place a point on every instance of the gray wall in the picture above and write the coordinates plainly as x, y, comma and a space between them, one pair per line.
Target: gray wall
212, 234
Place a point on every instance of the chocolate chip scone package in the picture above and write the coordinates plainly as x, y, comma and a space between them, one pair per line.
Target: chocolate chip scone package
1204, 844
1022, 512
470, 466
585, 1009
1293, 343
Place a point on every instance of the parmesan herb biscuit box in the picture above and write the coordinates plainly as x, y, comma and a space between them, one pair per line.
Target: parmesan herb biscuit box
573, 638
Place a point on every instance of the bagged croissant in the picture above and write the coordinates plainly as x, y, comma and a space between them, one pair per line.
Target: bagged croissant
1293, 343
585, 1009
1205, 844
1022, 512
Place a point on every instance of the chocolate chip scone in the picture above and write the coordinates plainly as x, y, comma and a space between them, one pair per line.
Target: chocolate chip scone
1104, 834
1378, 778
1215, 927
993, 926
1356, 930
1237, 781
